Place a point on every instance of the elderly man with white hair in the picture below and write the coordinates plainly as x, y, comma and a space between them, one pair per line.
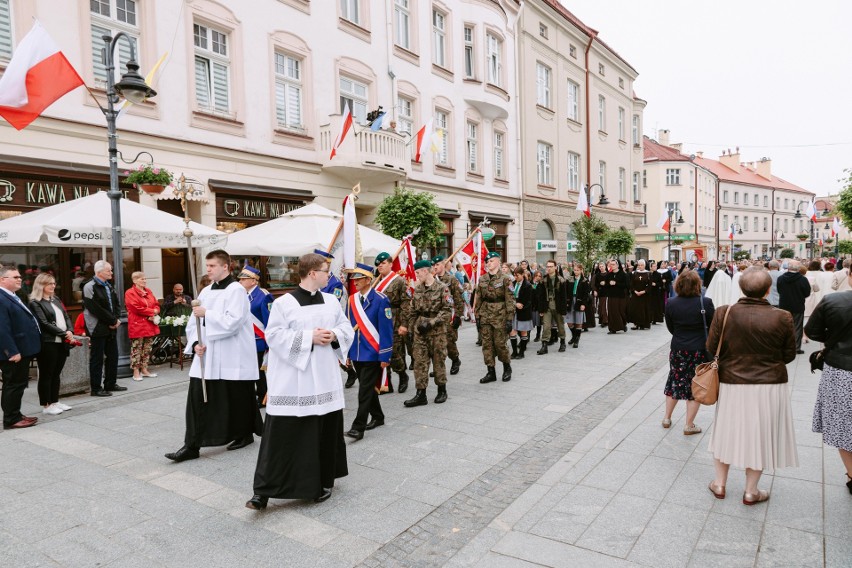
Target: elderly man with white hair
793, 288
101, 312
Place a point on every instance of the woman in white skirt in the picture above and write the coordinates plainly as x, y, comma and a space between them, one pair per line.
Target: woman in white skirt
753, 428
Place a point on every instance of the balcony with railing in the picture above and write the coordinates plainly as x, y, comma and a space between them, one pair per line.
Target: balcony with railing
365, 155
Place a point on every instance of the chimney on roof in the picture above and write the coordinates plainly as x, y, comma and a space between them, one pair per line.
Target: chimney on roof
764, 168
699, 153
663, 136
678, 146
731, 160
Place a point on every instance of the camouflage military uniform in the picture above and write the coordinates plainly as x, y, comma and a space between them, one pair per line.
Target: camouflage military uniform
494, 308
432, 304
458, 312
400, 301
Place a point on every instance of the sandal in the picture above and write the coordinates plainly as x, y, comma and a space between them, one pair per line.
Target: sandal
667, 422
849, 483
754, 498
718, 491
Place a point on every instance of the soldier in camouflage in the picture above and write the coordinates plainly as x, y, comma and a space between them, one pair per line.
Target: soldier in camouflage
439, 269
494, 309
396, 289
430, 315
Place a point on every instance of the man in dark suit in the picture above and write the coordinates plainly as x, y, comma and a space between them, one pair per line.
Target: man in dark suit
20, 340
101, 312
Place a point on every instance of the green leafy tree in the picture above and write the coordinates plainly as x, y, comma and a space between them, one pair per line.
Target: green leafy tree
590, 234
787, 253
742, 255
844, 203
399, 214
619, 243
844, 247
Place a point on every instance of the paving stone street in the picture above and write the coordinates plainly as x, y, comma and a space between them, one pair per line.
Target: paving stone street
566, 465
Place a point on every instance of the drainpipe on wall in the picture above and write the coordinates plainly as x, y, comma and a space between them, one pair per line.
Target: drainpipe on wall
588, 119
518, 173
718, 211
695, 210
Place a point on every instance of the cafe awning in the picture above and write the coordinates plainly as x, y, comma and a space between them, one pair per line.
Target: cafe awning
87, 221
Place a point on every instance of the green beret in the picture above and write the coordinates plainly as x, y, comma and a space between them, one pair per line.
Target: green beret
381, 257
491, 255
437, 259
422, 264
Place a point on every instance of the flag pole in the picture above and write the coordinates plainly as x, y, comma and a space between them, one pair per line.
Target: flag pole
467, 240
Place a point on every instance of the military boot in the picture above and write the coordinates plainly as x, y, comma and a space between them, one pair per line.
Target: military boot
489, 377
442, 394
403, 382
562, 344
454, 368
514, 342
507, 372
543, 349
419, 399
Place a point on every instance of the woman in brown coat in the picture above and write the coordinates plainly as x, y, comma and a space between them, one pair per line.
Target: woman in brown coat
754, 421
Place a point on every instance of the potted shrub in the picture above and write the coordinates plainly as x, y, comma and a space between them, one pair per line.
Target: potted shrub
149, 178
677, 242
802, 236
828, 241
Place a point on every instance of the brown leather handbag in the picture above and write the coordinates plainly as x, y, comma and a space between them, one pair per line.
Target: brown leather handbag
705, 383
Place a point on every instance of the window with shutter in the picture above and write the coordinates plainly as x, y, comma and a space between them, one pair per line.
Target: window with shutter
212, 69
498, 155
288, 92
472, 151
108, 17
5, 31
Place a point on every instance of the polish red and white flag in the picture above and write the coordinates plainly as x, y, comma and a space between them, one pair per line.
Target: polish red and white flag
665, 221
811, 211
583, 203
423, 137
345, 127
835, 227
404, 265
37, 76
472, 258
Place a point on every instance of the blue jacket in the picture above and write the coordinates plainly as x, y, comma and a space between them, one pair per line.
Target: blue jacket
260, 300
378, 310
19, 332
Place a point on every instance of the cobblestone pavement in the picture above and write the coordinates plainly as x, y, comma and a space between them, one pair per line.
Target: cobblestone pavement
564, 465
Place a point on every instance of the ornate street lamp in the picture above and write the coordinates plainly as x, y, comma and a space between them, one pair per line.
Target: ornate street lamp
133, 88
672, 212
603, 200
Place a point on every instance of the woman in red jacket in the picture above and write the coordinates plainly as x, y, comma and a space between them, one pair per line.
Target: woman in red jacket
143, 311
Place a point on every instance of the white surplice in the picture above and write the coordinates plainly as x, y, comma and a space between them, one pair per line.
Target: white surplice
228, 334
303, 379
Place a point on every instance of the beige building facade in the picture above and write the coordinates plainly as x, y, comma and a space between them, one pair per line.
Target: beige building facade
250, 98
580, 126
674, 182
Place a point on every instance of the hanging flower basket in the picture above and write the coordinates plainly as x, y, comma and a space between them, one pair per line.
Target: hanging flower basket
802, 236
677, 242
828, 241
149, 178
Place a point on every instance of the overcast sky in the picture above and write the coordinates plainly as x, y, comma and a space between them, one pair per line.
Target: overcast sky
772, 77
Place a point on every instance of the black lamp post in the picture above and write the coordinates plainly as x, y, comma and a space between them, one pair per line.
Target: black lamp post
775, 246
133, 88
602, 201
672, 212
735, 229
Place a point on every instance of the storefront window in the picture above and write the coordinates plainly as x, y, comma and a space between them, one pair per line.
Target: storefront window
32, 261
276, 272
444, 245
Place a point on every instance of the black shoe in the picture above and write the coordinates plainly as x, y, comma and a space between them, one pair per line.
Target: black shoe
257, 502
442, 394
454, 368
374, 424
115, 388
241, 443
351, 377
849, 483
479, 343
522, 349
575, 343
799, 351
611, 332
507, 372
354, 434
561, 344
418, 399
183, 454
326, 493
403, 382
489, 377
101, 393
543, 349
514, 342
